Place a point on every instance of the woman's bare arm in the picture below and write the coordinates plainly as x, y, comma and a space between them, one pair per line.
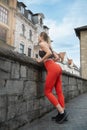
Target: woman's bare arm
56, 56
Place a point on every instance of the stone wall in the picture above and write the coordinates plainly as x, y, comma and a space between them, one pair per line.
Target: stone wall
21, 90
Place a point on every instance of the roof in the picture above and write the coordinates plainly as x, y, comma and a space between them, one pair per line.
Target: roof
62, 55
29, 11
45, 27
79, 29
42, 15
70, 61
21, 3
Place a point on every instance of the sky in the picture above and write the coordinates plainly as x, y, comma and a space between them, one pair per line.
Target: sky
62, 17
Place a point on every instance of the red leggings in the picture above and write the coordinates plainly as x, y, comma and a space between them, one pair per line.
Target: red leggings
53, 79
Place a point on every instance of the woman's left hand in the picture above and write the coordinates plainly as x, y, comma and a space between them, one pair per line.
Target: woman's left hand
39, 60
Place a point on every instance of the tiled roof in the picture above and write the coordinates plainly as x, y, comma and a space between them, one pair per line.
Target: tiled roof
70, 61
61, 55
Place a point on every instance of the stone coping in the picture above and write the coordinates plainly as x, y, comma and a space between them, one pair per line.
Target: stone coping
15, 56
25, 60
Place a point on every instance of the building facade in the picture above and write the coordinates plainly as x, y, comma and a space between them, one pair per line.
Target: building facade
7, 23
28, 27
81, 33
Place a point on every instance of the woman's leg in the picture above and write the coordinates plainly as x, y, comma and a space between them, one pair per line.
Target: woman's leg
49, 84
59, 92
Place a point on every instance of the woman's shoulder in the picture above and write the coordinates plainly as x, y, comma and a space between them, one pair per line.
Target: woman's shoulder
42, 44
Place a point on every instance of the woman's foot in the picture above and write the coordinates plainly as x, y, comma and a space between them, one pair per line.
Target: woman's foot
56, 117
61, 117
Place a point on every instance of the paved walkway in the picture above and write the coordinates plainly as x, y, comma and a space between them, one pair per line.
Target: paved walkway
77, 119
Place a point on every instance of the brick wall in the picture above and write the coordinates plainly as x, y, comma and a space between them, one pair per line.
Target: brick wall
21, 90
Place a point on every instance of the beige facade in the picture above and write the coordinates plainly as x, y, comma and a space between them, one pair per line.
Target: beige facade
7, 23
81, 32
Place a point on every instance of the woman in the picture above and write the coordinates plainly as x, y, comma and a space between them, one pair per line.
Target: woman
53, 78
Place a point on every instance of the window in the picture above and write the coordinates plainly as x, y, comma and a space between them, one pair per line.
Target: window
3, 15
29, 16
21, 48
29, 52
23, 30
36, 55
5, 1
30, 35
22, 9
3, 33
41, 22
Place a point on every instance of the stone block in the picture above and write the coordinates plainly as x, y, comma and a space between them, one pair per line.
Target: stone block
2, 114
18, 122
42, 102
4, 75
23, 72
29, 105
36, 104
30, 74
14, 87
40, 89
5, 65
15, 71
72, 80
65, 79
72, 87
3, 100
33, 74
2, 83
30, 90
16, 110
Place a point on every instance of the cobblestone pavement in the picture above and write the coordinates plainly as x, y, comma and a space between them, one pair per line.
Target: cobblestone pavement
77, 119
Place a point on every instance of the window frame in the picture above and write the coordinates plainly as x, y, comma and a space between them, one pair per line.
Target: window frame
21, 49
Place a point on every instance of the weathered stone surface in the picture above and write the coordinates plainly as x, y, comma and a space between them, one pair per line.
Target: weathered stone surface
14, 87
15, 71
2, 114
15, 110
4, 75
3, 100
2, 83
30, 90
72, 80
5, 65
22, 90
23, 72
30, 105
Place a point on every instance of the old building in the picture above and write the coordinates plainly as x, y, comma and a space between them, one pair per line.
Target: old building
7, 23
67, 64
81, 33
28, 27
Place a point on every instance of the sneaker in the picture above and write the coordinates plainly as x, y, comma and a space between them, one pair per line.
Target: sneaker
54, 117
61, 118
58, 115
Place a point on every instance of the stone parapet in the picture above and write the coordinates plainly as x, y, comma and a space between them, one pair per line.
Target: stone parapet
21, 89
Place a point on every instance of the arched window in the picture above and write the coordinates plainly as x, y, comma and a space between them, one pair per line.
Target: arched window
30, 35
23, 29
29, 52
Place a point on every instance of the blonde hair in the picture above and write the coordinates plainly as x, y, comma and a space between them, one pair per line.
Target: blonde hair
46, 38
